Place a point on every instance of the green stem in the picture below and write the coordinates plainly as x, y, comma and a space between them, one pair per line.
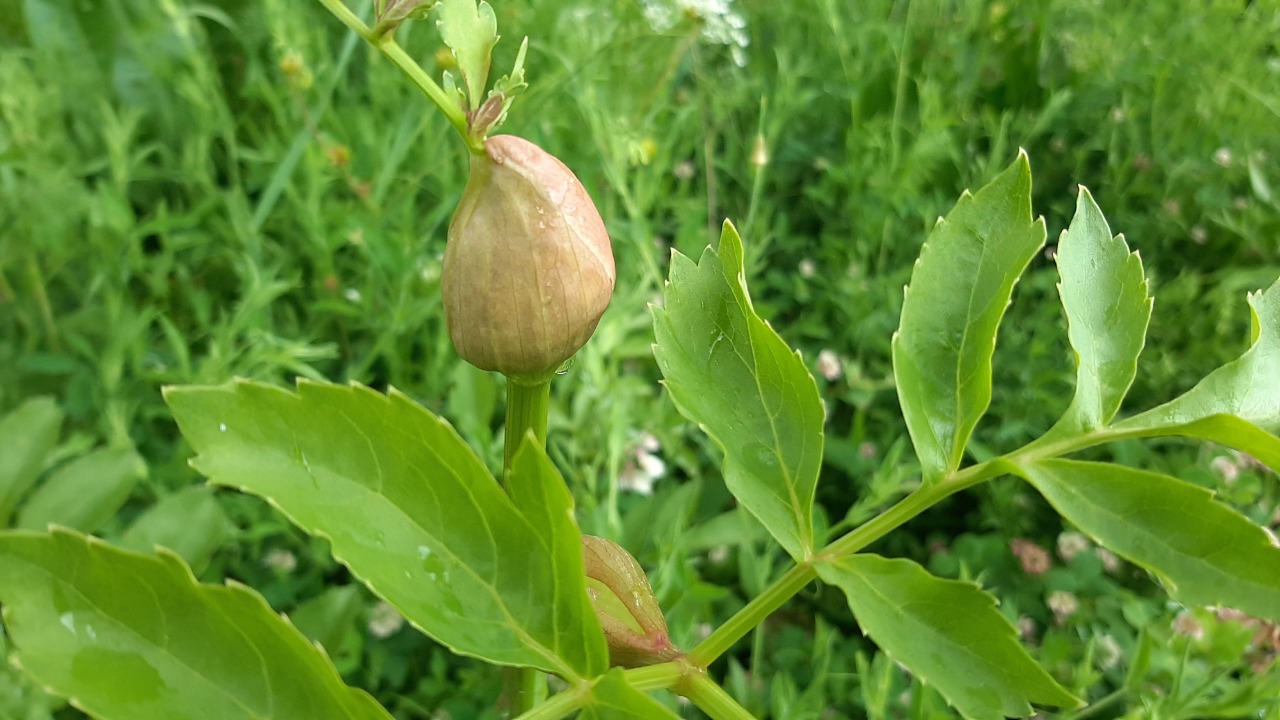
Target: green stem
557, 707
909, 507
711, 698
526, 410
743, 621
652, 677
656, 677
396, 54
803, 573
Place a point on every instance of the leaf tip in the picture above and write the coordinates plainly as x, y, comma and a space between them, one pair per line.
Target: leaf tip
1023, 161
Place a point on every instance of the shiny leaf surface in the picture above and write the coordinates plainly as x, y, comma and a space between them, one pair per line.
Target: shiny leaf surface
947, 633
404, 502
135, 637
958, 293
728, 371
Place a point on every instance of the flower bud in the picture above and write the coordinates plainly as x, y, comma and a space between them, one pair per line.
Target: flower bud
528, 269
632, 622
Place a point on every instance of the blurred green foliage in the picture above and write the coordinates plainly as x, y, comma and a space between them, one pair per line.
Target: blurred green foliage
195, 191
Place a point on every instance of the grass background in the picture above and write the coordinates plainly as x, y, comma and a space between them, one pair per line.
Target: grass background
195, 191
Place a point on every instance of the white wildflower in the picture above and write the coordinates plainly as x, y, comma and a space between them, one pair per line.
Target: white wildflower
1109, 653
1186, 624
1071, 544
1027, 628
1226, 468
829, 365
643, 468
1063, 604
385, 620
280, 560
721, 23
1110, 562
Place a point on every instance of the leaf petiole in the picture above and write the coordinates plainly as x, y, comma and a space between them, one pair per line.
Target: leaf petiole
711, 698
396, 54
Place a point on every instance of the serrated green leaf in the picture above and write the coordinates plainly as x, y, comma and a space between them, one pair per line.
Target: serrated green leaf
952, 309
1205, 552
28, 434
1247, 388
728, 371
470, 31
85, 493
947, 633
509, 86
1104, 293
135, 637
613, 698
541, 494
407, 506
190, 522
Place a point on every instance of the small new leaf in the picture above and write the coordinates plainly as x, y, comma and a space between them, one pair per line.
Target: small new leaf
1239, 403
1205, 552
947, 633
470, 31
952, 309
504, 93
135, 637
728, 371
1104, 294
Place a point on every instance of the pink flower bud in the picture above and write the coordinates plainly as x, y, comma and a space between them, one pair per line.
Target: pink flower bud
528, 269
629, 614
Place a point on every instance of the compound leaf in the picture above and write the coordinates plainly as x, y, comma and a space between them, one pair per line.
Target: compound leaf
731, 373
1104, 293
1205, 552
1239, 403
134, 637
407, 506
948, 633
952, 309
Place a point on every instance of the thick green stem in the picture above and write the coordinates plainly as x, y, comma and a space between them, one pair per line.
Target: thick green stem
526, 410
396, 54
